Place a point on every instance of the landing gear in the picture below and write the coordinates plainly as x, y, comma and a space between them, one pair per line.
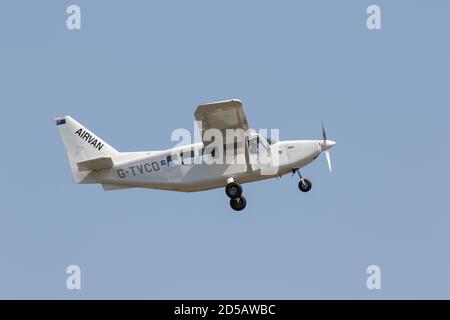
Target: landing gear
304, 184
234, 192
239, 203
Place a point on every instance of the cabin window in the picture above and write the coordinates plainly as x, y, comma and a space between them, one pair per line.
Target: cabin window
253, 145
231, 149
187, 157
173, 160
208, 154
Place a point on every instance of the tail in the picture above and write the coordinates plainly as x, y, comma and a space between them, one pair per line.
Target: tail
84, 149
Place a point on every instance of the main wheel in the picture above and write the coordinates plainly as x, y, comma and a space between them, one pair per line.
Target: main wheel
305, 185
239, 203
233, 190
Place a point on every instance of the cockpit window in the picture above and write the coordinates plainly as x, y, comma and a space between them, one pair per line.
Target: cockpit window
258, 143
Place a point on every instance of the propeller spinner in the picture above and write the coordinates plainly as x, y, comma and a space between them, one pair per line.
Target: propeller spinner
325, 145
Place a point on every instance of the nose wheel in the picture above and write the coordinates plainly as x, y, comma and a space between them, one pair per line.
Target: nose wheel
304, 184
234, 192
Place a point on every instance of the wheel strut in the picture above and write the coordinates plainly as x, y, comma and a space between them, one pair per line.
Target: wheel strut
298, 172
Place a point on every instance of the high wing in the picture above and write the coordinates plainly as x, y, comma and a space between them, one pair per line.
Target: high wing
224, 115
221, 115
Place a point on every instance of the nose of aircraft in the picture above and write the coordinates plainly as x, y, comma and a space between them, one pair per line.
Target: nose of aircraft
329, 144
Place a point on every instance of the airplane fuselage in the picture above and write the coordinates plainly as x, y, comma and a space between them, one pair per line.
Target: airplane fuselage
160, 169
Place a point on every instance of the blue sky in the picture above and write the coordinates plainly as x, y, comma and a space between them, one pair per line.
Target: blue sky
137, 70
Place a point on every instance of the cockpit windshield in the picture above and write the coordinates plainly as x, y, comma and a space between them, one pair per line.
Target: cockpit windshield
270, 141
257, 141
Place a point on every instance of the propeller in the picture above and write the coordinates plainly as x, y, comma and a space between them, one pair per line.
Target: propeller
326, 145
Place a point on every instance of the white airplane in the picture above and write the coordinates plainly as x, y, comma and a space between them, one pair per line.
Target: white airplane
191, 167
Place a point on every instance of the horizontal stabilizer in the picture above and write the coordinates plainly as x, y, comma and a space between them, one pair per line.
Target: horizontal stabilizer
95, 164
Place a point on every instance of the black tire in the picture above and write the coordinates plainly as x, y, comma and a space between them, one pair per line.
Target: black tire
304, 185
233, 190
239, 203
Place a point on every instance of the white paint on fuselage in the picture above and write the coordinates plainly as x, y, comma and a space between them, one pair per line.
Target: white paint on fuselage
138, 169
